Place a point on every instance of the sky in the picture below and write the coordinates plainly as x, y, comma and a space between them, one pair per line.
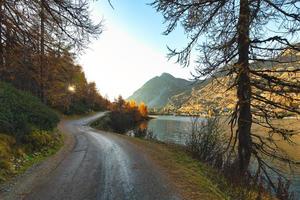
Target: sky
131, 50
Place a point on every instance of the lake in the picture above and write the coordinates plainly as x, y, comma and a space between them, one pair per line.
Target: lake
167, 128
175, 129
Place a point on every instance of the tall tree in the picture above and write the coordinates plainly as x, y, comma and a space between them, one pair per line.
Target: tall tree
245, 40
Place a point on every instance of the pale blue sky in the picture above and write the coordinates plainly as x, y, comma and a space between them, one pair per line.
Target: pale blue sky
131, 49
141, 20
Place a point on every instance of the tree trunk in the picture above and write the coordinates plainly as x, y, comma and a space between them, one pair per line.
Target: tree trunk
1, 41
42, 52
244, 88
7, 55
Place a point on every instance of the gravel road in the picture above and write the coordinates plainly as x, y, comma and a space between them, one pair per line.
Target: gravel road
99, 165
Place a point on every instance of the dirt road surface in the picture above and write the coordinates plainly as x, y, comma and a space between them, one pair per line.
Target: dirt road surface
93, 165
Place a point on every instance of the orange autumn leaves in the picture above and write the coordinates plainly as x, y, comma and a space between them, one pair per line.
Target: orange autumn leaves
139, 112
142, 108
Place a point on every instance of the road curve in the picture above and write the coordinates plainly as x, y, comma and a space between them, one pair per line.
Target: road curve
102, 166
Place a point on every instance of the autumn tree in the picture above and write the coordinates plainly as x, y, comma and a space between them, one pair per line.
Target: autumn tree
132, 104
119, 104
143, 109
248, 41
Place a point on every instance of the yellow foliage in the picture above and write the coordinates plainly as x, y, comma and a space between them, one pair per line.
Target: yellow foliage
137, 112
132, 104
143, 109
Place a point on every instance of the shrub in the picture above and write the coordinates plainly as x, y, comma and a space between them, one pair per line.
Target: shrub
140, 132
78, 107
20, 112
117, 121
121, 122
39, 139
206, 141
144, 133
104, 123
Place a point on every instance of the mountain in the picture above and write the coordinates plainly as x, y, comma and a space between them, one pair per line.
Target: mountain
214, 95
157, 91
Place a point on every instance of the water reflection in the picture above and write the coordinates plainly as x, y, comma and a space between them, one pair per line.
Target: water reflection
169, 128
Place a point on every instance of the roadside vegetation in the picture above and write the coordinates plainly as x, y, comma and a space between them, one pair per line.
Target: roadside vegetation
123, 116
27, 133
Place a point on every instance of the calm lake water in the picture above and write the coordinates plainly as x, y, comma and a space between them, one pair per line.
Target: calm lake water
175, 129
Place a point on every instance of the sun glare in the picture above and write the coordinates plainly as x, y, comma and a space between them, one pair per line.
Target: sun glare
72, 88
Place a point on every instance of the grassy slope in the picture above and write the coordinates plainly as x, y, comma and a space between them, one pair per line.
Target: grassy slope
16, 160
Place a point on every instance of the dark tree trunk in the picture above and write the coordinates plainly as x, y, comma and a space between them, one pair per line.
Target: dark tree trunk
7, 55
42, 52
1, 42
244, 88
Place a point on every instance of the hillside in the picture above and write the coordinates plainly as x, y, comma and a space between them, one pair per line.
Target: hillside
157, 91
215, 96
202, 99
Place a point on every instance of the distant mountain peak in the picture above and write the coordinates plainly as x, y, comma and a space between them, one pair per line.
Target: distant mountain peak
157, 91
166, 75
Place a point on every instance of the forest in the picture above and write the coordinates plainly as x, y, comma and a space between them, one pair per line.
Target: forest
37, 44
